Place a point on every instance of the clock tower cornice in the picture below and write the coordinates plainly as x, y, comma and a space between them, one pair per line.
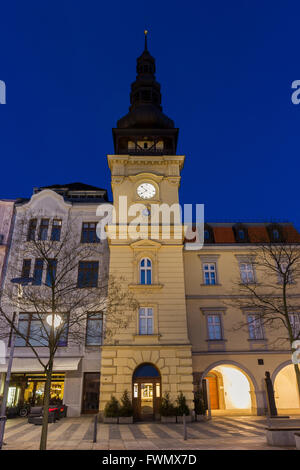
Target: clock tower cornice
127, 160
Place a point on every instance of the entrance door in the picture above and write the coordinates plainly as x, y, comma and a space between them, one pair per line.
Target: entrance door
146, 392
91, 390
147, 396
213, 392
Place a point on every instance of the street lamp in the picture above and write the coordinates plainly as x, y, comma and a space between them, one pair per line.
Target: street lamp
20, 281
55, 319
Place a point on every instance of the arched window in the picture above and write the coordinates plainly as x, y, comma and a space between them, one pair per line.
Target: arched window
145, 271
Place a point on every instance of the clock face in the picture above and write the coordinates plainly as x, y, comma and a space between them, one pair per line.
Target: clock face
146, 190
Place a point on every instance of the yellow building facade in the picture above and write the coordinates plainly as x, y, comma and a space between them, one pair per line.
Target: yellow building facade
185, 328
233, 358
167, 347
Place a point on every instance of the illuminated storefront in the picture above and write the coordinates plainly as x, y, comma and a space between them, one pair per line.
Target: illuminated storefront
29, 389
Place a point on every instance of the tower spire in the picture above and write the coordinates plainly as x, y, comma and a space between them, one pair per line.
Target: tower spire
145, 120
146, 45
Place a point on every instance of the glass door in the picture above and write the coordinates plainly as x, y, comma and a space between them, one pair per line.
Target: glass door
146, 400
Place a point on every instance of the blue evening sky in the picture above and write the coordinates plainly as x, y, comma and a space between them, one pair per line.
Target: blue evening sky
225, 67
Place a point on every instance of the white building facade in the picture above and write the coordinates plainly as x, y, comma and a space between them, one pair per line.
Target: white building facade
76, 375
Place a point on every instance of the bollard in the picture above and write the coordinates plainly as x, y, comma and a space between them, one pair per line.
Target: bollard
184, 428
95, 428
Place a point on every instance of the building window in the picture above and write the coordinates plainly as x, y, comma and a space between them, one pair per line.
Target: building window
214, 327
206, 235
26, 268
255, 326
146, 321
56, 230
285, 273
88, 274
247, 273
94, 329
295, 324
241, 235
31, 230
51, 272
23, 329
88, 234
145, 271
276, 235
209, 273
43, 234
38, 272
35, 330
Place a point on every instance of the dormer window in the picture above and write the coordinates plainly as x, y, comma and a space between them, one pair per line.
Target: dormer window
241, 234
208, 234
275, 233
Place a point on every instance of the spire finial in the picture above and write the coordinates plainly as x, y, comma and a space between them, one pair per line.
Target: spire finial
146, 46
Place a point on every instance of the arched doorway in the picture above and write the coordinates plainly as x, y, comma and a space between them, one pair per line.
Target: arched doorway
286, 390
146, 392
231, 390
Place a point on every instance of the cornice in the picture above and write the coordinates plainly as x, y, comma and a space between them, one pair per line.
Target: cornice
146, 159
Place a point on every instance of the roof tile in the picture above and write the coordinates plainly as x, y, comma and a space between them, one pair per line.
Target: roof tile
223, 235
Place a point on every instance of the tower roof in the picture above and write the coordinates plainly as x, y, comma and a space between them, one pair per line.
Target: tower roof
145, 111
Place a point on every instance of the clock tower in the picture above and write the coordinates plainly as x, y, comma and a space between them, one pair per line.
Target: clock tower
153, 354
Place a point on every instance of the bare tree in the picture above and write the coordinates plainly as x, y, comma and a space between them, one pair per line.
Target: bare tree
60, 305
271, 293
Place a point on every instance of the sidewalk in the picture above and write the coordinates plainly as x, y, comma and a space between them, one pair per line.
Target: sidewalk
77, 433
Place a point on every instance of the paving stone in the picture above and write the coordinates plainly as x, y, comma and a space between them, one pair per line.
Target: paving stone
237, 433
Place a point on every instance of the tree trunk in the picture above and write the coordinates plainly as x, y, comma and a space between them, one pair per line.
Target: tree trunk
43, 442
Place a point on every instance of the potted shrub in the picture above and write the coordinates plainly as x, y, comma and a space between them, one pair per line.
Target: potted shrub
200, 409
111, 411
126, 409
182, 409
167, 410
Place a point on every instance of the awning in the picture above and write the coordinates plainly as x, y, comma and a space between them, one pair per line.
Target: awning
25, 364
